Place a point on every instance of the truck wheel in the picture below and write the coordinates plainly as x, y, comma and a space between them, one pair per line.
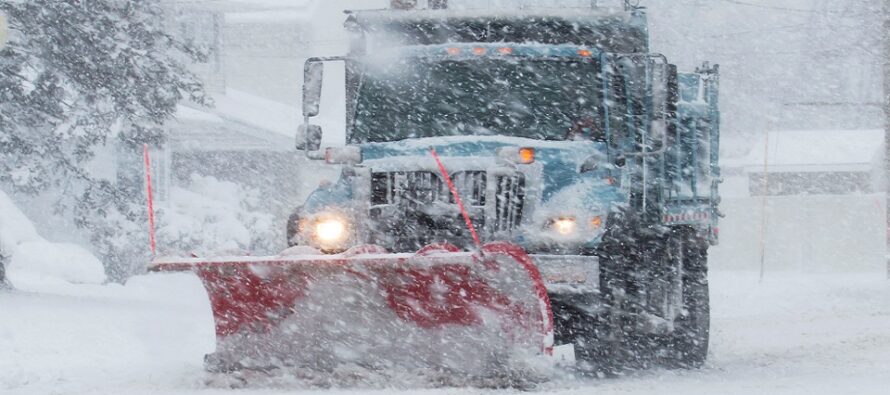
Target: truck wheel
608, 350
599, 352
687, 346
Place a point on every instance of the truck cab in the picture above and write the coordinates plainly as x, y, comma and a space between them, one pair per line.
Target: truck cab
562, 134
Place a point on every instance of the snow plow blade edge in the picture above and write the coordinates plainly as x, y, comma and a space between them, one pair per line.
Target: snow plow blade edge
439, 308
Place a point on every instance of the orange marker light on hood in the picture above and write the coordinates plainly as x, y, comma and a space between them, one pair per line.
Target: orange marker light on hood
526, 155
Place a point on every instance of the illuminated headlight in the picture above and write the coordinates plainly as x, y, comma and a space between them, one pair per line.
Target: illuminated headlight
568, 226
328, 232
565, 226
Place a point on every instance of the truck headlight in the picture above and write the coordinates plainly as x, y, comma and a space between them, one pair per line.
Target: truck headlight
330, 230
568, 226
565, 226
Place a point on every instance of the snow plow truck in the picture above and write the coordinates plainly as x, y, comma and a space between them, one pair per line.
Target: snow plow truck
513, 182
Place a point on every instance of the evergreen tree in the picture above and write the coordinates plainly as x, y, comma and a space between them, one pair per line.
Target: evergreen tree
80, 74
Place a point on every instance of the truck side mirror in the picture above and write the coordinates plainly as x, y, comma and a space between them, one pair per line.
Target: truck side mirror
309, 137
313, 75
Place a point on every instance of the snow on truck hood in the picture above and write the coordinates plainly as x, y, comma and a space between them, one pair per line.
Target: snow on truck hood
477, 146
561, 160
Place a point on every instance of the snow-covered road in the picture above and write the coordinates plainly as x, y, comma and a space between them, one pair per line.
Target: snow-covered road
792, 334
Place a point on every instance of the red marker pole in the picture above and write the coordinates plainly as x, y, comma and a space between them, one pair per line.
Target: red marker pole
150, 199
460, 203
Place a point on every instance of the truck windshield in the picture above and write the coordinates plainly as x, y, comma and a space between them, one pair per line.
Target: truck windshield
545, 99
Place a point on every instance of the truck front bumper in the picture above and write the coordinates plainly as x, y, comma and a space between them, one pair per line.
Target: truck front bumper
569, 274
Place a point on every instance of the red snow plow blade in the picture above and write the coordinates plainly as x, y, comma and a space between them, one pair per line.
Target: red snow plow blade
438, 308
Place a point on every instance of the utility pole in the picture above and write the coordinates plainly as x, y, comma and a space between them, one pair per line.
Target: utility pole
4, 32
885, 62
3, 258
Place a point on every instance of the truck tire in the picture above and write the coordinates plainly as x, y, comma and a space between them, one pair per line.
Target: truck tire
687, 346
601, 347
573, 326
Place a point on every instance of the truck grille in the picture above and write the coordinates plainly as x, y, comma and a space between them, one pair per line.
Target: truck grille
424, 187
471, 187
510, 196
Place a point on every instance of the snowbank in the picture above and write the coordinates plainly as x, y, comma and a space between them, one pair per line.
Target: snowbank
212, 217
89, 338
35, 262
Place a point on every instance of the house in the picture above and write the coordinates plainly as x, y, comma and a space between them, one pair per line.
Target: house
826, 162
805, 200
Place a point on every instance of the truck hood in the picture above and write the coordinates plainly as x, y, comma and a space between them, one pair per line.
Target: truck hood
561, 160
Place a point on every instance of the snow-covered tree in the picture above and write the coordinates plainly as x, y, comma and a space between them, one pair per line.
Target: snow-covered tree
210, 217
77, 75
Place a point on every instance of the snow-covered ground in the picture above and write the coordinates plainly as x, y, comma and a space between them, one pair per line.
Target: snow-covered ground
792, 334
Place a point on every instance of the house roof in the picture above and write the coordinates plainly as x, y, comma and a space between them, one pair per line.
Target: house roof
816, 150
244, 5
238, 120
270, 115
269, 16
254, 11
